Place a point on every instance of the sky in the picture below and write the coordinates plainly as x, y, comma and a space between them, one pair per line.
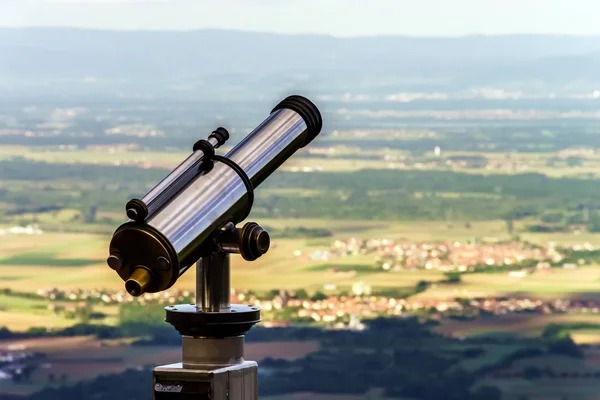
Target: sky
332, 17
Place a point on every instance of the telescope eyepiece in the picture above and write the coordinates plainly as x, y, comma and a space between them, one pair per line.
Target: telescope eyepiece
308, 111
139, 281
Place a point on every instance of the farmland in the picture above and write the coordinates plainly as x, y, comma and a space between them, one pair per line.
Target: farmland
68, 261
524, 185
65, 260
519, 325
581, 283
342, 158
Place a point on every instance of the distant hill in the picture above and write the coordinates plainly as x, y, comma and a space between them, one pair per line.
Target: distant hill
557, 69
213, 60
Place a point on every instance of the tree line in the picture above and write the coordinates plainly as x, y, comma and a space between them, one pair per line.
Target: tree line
365, 194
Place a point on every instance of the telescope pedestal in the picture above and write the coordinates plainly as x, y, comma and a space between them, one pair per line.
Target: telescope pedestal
211, 369
212, 363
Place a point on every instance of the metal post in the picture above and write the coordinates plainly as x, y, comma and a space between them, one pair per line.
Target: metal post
213, 282
212, 366
215, 352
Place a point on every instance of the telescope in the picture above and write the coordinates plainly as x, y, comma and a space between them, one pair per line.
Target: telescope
189, 218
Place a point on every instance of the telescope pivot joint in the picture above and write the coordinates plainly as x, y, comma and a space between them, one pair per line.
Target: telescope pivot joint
251, 241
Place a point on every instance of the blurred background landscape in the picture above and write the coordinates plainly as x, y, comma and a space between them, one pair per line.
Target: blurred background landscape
441, 236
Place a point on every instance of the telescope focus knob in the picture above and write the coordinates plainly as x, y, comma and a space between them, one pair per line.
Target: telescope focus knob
255, 241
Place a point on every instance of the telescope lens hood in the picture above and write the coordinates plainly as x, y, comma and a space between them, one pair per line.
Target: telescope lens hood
308, 111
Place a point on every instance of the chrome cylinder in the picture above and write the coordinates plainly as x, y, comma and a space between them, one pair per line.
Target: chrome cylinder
205, 352
140, 210
213, 282
175, 181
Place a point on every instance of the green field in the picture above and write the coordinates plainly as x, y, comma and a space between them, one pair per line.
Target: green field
167, 160
69, 260
343, 160
582, 282
22, 313
76, 261
87, 156
527, 325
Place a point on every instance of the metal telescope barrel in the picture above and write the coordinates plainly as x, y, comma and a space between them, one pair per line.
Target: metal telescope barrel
139, 210
150, 255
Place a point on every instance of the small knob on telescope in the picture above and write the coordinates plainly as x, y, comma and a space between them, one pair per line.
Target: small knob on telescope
115, 261
255, 241
221, 135
214, 141
136, 210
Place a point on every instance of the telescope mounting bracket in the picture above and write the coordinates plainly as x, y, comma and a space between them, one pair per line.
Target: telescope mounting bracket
212, 315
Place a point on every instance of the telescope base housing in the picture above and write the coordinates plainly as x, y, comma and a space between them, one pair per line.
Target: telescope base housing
233, 382
211, 368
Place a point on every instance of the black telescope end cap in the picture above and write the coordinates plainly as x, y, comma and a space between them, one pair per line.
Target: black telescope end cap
136, 210
189, 321
221, 134
308, 111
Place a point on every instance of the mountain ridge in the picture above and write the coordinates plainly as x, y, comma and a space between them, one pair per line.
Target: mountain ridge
160, 60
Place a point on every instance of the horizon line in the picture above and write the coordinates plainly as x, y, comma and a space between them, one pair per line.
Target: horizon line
250, 31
